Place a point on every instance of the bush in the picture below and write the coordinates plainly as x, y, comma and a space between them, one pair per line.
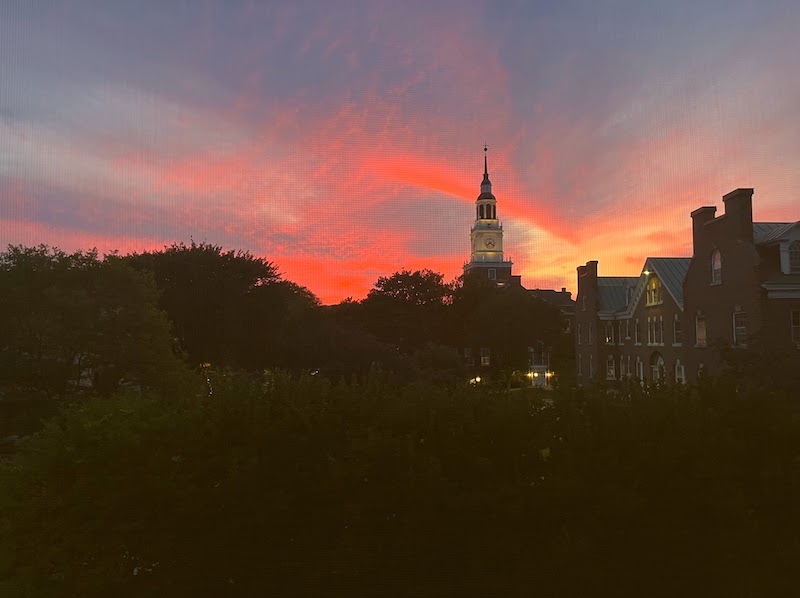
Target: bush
297, 486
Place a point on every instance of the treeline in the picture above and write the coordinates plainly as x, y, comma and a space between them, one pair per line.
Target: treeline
296, 486
73, 322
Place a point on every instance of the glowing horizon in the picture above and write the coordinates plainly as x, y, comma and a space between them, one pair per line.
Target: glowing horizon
343, 141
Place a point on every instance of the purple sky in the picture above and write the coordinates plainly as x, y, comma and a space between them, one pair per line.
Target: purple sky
343, 140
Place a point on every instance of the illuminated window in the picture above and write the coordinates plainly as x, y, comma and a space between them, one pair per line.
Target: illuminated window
653, 294
794, 257
716, 267
796, 328
739, 329
609, 333
700, 330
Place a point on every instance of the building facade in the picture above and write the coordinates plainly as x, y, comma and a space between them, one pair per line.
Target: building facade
674, 322
743, 286
631, 327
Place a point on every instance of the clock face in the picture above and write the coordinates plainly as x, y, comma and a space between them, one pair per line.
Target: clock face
489, 242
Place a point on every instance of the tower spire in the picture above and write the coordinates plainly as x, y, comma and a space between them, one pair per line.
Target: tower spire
486, 184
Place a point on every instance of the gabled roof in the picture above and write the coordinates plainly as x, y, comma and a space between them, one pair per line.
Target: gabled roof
612, 291
671, 271
768, 232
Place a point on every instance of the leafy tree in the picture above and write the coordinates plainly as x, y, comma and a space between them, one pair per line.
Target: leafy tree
509, 320
228, 308
407, 308
72, 321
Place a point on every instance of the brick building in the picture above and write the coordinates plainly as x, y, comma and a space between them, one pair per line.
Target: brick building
743, 286
740, 288
631, 327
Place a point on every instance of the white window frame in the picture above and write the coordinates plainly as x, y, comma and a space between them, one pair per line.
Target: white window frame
716, 266
611, 368
680, 372
739, 322
794, 257
698, 341
677, 332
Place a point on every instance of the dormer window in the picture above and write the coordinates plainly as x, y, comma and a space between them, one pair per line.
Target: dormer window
794, 257
716, 267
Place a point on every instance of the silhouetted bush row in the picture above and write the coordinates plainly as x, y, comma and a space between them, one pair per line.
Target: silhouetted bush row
282, 485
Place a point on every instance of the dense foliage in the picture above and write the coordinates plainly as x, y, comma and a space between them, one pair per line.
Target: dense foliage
72, 320
228, 308
296, 486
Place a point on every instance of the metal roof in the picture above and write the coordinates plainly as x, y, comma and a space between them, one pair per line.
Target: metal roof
766, 232
612, 291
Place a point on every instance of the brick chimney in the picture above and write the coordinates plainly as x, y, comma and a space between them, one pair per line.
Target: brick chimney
739, 208
699, 217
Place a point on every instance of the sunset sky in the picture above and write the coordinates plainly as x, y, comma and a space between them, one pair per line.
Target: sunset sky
343, 140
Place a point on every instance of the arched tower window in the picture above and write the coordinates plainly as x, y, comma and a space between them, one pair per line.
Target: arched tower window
794, 257
653, 294
716, 267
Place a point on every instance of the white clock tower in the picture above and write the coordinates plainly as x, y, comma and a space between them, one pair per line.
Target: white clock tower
486, 236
